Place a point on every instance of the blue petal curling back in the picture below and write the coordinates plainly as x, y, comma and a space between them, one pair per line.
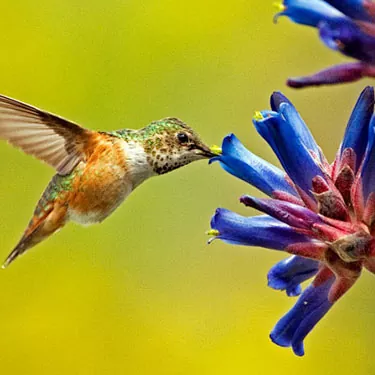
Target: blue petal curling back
290, 273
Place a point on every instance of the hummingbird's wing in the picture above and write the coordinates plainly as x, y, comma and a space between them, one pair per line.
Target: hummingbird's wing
58, 142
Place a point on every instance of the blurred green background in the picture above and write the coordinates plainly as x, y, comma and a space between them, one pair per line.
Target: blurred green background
142, 293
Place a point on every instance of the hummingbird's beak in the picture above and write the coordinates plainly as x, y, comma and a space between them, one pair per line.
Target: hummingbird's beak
207, 152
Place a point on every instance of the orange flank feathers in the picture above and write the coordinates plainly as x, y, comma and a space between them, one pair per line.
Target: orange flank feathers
101, 183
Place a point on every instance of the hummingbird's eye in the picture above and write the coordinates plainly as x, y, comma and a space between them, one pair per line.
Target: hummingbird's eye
182, 137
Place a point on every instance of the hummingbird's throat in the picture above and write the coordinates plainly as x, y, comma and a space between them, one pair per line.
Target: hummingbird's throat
164, 161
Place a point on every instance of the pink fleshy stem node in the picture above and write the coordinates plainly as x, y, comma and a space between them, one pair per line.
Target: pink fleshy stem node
369, 5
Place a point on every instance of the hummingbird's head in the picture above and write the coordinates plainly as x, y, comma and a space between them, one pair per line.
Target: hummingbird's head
173, 144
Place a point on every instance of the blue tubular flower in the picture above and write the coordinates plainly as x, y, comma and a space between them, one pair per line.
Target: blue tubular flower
356, 134
327, 224
290, 273
242, 163
344, 26
277, 98
352, 8
264, 231
284, 107
308, 12
290, 141
346, 37
311, 306
368, 168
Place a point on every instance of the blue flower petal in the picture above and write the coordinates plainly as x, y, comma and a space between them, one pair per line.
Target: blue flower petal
277, 98
356, 133
309, 12
263, 231
346, 37
368, 166
242, 163
311, 306
282, 105
352, 8
292, 116
286, 139
290, 273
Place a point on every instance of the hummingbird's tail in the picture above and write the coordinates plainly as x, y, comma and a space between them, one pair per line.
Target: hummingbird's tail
49, 216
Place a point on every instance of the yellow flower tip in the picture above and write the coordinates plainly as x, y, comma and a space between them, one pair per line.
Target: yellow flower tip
258, 116
279, 6
214, 233
216, 150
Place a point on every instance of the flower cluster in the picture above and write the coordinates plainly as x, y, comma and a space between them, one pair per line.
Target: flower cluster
347, 26
322, 214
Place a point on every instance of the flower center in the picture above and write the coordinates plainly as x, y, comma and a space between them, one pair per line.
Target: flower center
353, 247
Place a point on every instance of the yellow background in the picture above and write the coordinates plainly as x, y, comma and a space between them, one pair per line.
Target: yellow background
142, 293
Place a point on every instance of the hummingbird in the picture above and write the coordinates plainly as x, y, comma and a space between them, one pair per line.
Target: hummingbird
96, 170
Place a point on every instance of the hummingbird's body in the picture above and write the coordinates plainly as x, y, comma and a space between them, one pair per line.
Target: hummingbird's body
96, 171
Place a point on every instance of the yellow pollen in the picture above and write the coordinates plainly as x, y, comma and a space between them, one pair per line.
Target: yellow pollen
216, 150
258, 116
280, 7
213, 232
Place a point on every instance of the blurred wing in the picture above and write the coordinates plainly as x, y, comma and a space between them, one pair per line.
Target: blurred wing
52, 139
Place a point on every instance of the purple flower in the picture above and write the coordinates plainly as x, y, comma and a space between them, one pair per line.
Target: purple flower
322, 214
346, 26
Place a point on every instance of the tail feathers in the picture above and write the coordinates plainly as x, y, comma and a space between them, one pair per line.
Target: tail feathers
29, 239
18, 250
38, 230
